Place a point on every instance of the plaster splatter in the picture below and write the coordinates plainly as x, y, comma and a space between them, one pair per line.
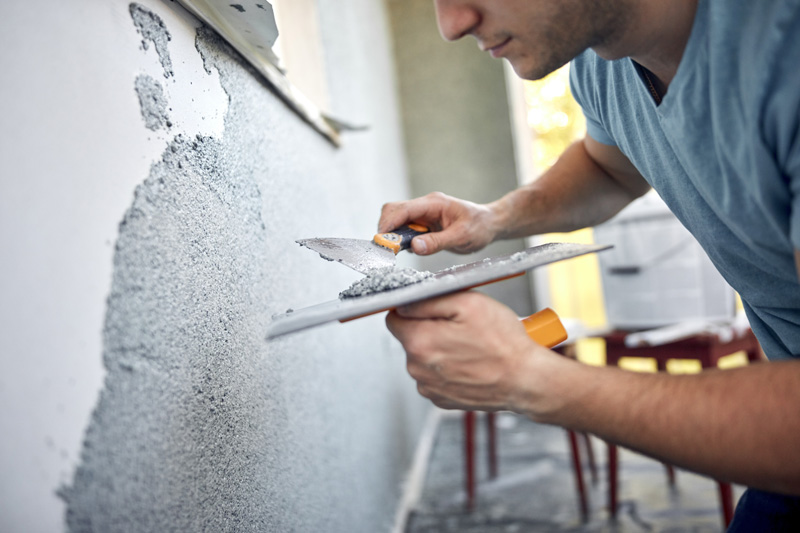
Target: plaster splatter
152, 29
384, 279
238, 7
152, 102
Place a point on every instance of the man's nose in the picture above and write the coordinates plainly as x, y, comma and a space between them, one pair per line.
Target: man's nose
456, 18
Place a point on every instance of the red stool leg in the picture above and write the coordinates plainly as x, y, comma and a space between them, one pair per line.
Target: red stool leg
491, 430
670, 474
612, 480
661, 364
590, 453
578, 471
726, 502
469, 457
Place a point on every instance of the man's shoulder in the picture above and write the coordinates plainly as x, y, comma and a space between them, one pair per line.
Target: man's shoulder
757, 32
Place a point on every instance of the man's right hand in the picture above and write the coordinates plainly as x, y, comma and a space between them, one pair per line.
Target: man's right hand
456, 225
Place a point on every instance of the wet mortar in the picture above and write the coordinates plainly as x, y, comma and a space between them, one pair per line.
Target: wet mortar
152, 29
384, 279
152, 102
180, 437
200, 422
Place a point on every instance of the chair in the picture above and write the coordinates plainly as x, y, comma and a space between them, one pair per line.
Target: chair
469, 426
545, 328
708, 348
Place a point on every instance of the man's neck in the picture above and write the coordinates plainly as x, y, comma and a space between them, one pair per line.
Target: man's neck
656, 37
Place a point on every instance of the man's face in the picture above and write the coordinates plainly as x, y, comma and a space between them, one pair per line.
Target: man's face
535, 36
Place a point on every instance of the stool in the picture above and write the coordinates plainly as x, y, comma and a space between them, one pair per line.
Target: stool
708, 348
469, 452
567, 350
469, 421
545, 328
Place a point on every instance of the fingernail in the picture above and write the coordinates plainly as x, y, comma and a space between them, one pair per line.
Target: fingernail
420, 246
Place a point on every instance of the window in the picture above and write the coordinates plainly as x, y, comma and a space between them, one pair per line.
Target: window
281, 40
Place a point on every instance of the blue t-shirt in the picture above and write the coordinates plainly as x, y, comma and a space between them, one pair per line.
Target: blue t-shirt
722, 149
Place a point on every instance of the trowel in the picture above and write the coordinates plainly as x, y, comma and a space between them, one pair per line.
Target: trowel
446, 281
362, 255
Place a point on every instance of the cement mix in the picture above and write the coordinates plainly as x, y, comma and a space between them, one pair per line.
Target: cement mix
153, 30
170, 446
152, 103
384, 279
201, 424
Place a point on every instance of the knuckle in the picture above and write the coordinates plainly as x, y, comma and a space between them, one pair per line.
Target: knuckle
423, 390
438, 197
472, 302
417, 349
414, 370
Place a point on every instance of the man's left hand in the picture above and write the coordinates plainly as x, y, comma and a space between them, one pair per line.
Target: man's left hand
467, 351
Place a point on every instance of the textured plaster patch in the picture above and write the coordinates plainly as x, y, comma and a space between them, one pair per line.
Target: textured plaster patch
180, 438
181, 350
153, 30
202, 425
152, 103
382, 280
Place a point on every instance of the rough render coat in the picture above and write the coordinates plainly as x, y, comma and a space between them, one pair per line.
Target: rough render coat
202, 425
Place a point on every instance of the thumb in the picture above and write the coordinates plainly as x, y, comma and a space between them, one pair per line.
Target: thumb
433, 242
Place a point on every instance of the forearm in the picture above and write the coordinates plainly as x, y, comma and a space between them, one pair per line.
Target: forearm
585, 187
740, 425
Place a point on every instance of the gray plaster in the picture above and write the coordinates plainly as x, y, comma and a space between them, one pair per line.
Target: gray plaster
384, 279
152, 102
202, 425
152, 29
169, 426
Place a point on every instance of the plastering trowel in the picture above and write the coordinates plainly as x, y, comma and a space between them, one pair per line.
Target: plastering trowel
362, 255
447, 281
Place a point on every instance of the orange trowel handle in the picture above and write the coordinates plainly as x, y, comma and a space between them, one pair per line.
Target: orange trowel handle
399, 239
545, 328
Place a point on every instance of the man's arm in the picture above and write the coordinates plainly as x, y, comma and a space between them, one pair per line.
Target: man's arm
589, 183
468, 351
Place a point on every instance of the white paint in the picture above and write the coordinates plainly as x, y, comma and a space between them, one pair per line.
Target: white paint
72, 152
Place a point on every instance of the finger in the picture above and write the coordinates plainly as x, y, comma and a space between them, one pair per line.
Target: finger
448, 239
437, 399
426, 209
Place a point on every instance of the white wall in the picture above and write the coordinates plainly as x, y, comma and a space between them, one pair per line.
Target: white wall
107, 330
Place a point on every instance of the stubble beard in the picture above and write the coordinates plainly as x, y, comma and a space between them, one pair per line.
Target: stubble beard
600, 24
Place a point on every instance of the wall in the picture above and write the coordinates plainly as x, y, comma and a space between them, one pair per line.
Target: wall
152, 188
457, 127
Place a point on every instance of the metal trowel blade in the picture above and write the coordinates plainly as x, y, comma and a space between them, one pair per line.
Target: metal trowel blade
359, 254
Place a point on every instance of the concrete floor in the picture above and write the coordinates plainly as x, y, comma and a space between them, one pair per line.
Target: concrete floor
535, 489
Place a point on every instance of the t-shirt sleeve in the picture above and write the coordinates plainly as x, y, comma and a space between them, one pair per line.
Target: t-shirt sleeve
580, 84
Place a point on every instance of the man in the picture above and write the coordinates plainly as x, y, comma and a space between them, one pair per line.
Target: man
699, 99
